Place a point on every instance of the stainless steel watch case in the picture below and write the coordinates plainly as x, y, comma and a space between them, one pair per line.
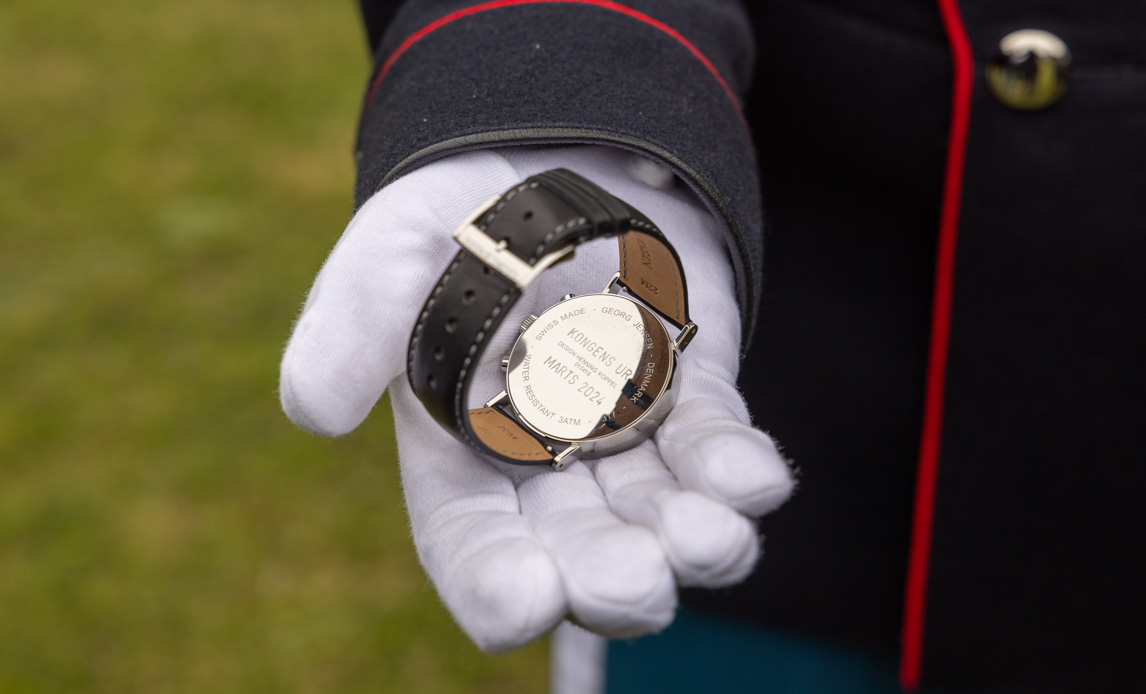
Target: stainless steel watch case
593, 375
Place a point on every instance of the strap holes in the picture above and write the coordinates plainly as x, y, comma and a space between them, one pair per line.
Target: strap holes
469, 296
527, 216
433, 382
485, 270
451, 325
439, 353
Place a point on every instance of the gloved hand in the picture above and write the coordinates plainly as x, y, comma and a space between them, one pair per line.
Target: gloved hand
512, 550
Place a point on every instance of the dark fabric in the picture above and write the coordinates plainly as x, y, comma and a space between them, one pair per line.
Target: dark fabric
376, 16
504, 76
1037, 534
852, 181
1038, 537
1040, 529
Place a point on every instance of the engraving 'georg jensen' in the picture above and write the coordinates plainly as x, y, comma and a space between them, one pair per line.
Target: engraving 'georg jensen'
591, 370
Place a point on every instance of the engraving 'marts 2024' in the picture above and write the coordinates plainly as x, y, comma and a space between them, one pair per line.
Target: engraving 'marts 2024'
588, 367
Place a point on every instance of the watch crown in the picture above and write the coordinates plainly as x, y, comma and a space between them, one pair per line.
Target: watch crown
528, 322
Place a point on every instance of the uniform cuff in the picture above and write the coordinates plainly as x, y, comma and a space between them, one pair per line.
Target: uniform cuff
581, 71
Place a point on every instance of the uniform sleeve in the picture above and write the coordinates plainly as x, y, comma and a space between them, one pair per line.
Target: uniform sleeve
376, 15
664, 78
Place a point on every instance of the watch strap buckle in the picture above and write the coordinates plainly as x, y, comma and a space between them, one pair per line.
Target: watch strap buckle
497, 256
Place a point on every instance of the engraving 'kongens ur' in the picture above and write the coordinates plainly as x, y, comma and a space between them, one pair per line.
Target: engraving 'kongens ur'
594, 348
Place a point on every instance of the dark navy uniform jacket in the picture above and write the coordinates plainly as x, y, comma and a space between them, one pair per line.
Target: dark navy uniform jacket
947, 296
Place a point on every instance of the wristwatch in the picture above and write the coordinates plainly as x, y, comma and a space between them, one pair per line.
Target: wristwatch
593, 374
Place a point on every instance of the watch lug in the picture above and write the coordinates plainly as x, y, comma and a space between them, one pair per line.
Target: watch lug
567, 297
686, 334
612, 283
561, 460
505, 362
497, 399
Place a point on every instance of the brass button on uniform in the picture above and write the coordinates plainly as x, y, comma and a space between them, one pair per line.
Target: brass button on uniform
1031, 70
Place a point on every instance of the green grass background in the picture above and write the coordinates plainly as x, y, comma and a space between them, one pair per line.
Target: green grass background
172, 174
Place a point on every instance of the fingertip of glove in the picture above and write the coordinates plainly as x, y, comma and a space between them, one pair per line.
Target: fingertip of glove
768, 499
620, 583
311, 404
643, 624
506, 595
743, 466
709, 543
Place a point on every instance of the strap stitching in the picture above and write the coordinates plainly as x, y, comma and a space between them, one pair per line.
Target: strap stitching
557, 230
517, 452
426, 311
492, 214
466, 365
496, 310
671, 263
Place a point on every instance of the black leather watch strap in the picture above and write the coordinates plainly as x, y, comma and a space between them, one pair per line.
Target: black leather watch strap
542, 215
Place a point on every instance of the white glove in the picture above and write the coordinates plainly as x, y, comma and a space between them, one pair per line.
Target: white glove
513, 550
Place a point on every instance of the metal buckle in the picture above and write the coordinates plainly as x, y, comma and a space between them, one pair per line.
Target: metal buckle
497, 257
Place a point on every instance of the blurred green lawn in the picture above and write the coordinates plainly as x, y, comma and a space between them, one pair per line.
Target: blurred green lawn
171, 176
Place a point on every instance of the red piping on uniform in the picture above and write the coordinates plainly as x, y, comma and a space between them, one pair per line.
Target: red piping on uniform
497, 4
915, 598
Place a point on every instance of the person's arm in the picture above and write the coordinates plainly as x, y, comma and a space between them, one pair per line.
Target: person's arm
513, 550
660, 77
